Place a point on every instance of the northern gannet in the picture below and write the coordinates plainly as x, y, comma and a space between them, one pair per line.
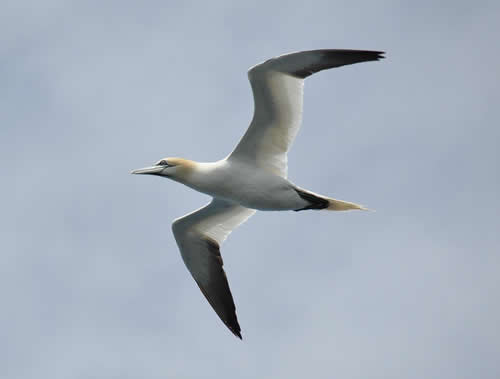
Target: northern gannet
254, 176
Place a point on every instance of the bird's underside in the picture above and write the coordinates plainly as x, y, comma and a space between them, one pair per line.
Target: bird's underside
277, 86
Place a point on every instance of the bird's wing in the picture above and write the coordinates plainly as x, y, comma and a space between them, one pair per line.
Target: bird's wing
277, 86
199, 235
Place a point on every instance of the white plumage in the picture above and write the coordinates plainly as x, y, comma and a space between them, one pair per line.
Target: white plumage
254, 176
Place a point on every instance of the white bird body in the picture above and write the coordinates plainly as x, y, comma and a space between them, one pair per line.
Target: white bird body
254, 176
243, 184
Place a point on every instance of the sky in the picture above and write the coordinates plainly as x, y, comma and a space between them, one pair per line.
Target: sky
91, 280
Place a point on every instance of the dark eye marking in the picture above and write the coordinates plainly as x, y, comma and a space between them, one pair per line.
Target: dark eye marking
163, 162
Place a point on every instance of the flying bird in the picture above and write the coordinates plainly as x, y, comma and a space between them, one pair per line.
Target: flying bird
254, 176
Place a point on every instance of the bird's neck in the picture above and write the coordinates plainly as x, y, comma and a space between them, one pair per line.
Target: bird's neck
201, 176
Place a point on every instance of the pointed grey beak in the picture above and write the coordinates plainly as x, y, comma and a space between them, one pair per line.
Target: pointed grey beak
148, 170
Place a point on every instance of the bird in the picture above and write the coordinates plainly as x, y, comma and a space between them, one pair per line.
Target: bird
254, 175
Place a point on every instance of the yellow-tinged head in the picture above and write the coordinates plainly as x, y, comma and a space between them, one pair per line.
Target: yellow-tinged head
173, 168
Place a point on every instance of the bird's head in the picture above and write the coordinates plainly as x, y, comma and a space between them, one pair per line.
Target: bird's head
173, 168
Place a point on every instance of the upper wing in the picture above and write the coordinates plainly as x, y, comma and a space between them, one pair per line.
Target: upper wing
199, 236
277, 86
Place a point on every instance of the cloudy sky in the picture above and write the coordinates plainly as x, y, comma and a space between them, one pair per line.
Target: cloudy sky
91, 281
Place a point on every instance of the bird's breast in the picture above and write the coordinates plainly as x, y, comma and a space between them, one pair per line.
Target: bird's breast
249, 186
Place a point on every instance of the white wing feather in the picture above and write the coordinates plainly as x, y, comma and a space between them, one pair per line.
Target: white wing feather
277, 86
199, 236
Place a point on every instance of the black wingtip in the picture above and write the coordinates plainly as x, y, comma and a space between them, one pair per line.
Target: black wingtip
355, 56
235, 329
380, 55
330, 58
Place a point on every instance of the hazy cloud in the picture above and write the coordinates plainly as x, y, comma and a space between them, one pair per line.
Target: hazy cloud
92, 282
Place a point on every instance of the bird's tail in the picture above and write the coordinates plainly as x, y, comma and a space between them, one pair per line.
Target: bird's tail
320, 202
339, 205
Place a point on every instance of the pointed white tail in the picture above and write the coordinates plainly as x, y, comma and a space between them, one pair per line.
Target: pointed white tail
339, 205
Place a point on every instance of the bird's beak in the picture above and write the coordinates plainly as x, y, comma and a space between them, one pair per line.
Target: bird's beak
148, 170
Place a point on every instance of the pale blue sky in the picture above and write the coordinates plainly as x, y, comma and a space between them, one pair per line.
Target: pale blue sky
91, 281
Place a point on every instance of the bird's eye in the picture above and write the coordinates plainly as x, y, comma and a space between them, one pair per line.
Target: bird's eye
163, 162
